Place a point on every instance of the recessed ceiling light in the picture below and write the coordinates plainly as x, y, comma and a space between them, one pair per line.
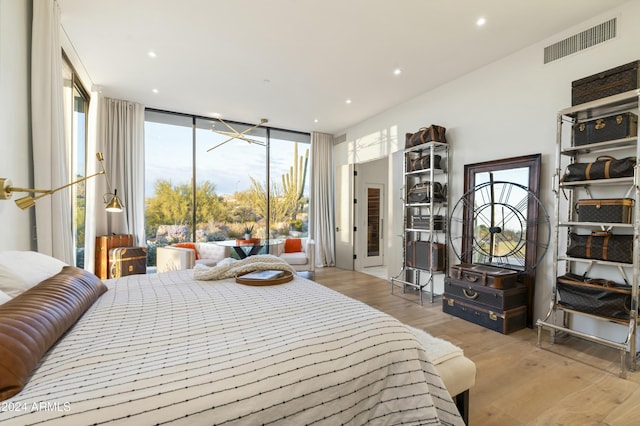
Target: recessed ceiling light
348, 101
315, 120
152, 54
155, 91
397, 71
481, 21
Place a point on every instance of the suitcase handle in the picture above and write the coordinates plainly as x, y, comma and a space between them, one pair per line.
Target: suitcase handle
470, 278
470, 294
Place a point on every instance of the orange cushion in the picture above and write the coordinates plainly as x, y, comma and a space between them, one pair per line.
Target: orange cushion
292, 245
191, 246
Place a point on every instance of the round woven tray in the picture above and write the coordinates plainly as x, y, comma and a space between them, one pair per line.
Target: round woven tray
288, 276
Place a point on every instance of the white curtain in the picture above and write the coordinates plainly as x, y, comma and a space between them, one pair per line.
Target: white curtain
116, 130
322, 205
50, 153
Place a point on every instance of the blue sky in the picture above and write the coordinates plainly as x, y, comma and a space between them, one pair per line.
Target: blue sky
168, 155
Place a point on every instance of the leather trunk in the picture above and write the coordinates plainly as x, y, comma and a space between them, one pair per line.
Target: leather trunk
127, 261
104, 243
606, 83
605, 210
619, 126
505, 322
488, 297
419, 254
484, 275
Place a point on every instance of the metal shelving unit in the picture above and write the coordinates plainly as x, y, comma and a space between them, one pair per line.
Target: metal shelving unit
560, 320
413, 277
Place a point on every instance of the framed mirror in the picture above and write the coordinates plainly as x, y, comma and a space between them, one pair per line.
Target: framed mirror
500, 221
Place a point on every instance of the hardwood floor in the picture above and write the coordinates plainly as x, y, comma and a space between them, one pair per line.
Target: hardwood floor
570, 383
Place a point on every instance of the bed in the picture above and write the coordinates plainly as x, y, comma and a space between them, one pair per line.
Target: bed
171, 349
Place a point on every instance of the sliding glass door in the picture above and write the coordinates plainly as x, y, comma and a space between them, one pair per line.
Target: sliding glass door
227, 172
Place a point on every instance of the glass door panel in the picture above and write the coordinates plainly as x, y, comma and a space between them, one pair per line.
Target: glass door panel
168, 180
230, 175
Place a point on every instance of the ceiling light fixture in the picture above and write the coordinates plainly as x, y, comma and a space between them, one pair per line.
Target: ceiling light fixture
234, 134
152, 54
348, 101
481, 21
397, 71
155, 91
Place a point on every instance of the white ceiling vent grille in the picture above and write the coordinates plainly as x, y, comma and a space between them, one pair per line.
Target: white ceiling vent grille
587, 38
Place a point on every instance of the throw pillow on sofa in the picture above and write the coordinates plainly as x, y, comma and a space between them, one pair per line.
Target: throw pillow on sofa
292, 245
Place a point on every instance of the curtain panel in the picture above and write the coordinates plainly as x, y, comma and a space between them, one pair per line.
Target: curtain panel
322, 204
50, 154
116, 128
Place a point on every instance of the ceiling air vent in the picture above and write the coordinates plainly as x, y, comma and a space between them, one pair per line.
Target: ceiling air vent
587, 38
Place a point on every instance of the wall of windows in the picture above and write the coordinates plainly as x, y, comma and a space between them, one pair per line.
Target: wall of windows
200, 185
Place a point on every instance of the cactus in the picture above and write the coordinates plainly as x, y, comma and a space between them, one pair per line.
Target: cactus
293, 182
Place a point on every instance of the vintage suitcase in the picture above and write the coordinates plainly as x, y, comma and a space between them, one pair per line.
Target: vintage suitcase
504, 322
605, 167
432, 133
424, 222
601, 245
484, 275
617, 126
421, 192
104, 243
488, 297
599, 297
424, 163
127, 261
419, 254
606, 83
606, 210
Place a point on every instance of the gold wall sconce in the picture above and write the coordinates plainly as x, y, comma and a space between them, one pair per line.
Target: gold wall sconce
113, 203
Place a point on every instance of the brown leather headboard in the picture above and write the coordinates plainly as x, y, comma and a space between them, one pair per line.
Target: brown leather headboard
33, 321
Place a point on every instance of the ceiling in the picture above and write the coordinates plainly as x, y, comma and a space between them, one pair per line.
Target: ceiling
296, 62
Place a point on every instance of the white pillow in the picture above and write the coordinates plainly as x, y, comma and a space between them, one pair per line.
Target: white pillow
31, 266
11, 284
4, 297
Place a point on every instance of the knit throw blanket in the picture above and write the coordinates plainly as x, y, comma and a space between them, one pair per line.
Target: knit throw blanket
230, 268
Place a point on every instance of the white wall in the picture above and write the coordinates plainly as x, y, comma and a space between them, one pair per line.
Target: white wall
15, 121
505, 109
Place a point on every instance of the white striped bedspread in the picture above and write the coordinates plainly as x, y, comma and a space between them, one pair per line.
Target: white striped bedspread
166, 349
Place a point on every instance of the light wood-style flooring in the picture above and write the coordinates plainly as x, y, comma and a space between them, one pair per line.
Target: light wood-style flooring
570, 383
